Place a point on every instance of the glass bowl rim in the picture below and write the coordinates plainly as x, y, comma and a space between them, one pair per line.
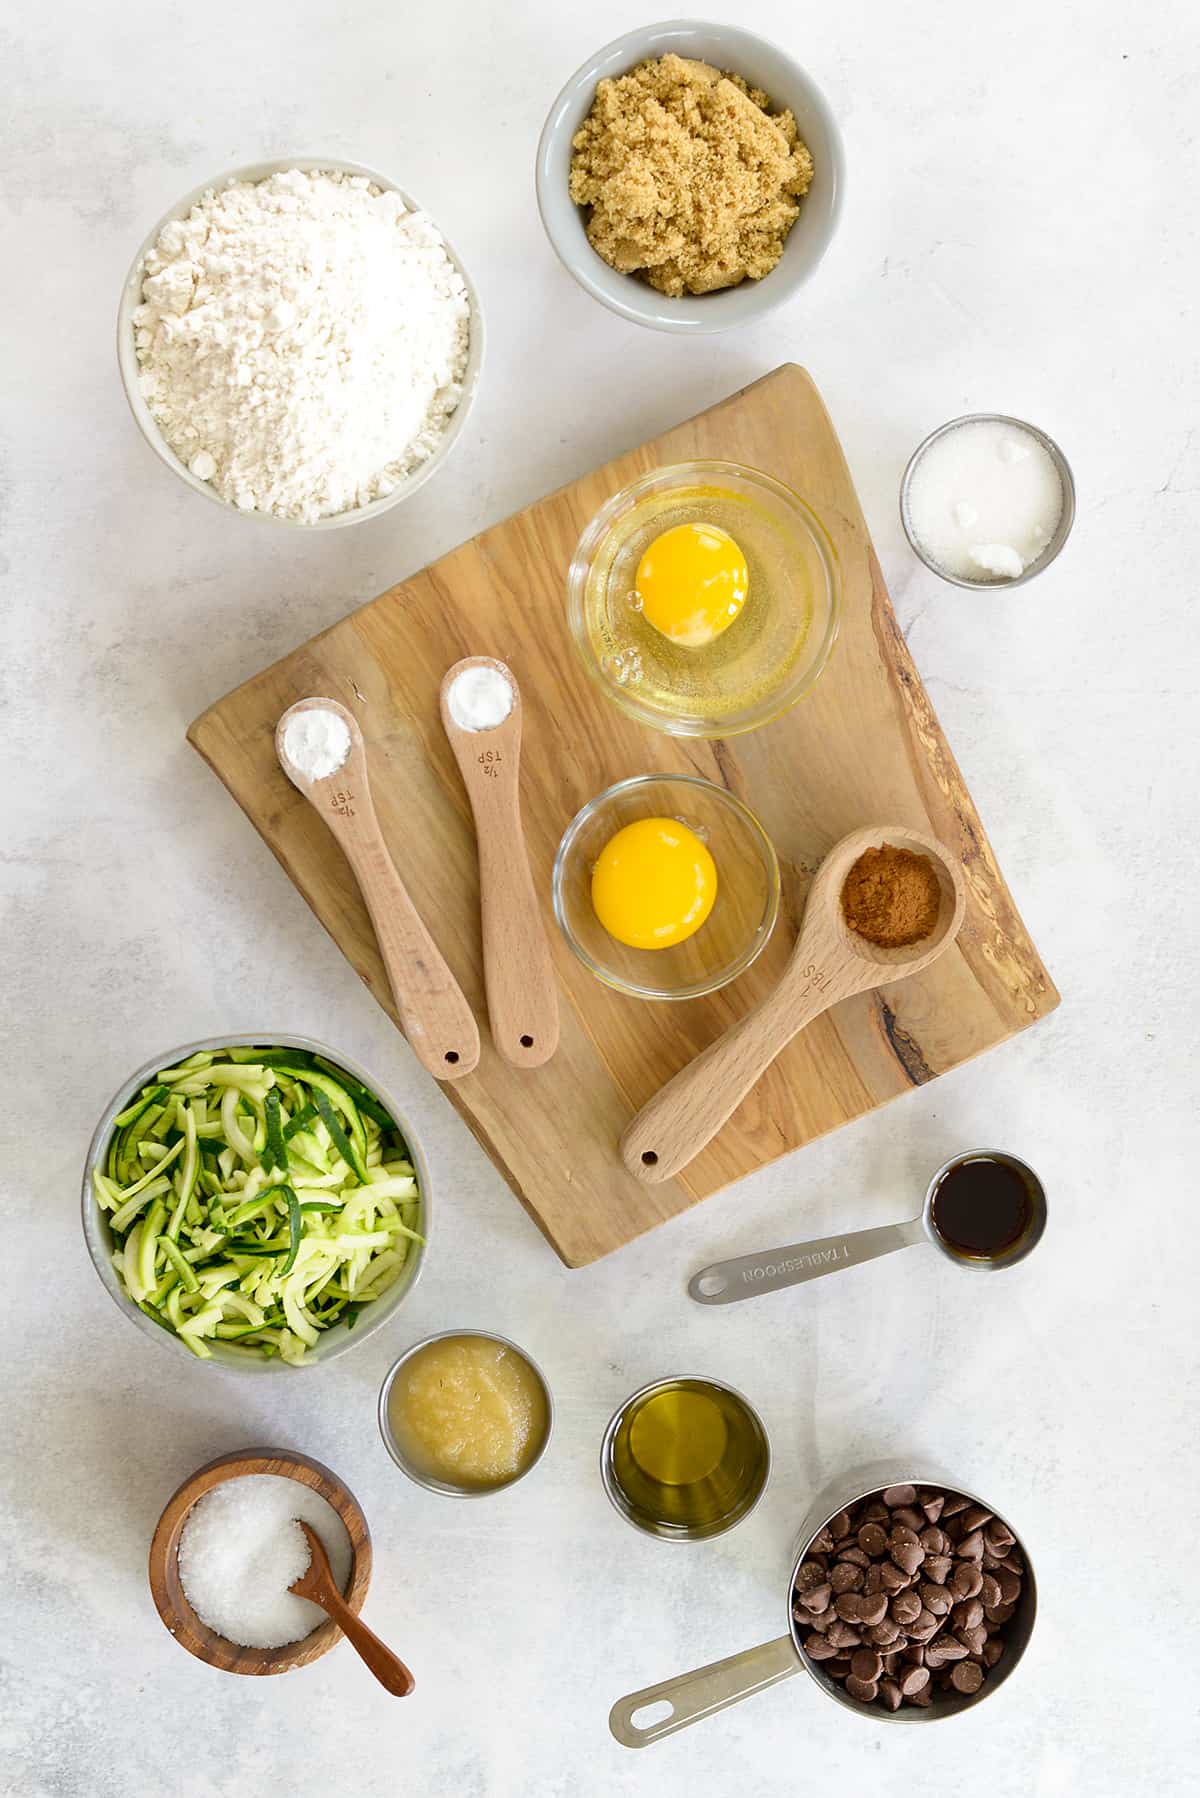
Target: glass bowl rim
700, 988
593, 534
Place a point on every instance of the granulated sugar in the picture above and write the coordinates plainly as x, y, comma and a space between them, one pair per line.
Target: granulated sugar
240, 1550
302, 341
984, 500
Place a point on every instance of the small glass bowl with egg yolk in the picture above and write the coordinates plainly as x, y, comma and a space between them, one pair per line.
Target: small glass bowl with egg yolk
704, 599
666, 886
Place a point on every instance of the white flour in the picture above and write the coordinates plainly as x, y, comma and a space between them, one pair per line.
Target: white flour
302, 341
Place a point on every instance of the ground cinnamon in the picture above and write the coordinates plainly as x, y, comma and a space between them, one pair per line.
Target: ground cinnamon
891, 897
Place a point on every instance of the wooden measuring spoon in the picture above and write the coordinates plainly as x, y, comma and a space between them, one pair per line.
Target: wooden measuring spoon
521, 992
318, 1585
829, 962
434, 1013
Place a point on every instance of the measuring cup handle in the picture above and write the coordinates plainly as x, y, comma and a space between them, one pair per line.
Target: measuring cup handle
702, 1692
745, 1276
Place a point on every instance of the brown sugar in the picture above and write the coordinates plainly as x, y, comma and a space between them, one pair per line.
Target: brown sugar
891, 897
688, 178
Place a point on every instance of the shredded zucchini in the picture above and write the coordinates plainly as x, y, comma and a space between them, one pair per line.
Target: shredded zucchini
204, 1185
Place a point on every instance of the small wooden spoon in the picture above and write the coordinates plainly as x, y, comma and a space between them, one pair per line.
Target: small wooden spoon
829, 962
434, 1013
521, 992
318, 1585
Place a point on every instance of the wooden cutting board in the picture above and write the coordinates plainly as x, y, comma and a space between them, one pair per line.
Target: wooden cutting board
864, 746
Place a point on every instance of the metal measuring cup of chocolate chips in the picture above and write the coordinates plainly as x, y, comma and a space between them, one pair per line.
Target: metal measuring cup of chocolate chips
706, 1690
985, 1209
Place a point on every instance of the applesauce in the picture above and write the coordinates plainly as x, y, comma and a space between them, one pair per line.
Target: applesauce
467, 1411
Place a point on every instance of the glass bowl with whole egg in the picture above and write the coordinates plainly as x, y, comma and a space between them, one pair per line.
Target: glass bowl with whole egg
666, 886
704, 599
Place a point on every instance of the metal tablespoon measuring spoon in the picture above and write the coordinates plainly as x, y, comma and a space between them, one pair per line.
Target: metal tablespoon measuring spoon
983, 1209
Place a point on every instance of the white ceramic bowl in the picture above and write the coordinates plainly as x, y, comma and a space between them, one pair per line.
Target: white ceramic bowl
763, 65
131, 296
98, 1236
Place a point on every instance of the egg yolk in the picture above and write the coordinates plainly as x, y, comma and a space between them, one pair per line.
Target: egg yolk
692, 582
654, 884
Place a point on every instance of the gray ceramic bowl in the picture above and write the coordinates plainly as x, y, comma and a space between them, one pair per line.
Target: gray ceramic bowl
763, 65
131, 295
99, 1238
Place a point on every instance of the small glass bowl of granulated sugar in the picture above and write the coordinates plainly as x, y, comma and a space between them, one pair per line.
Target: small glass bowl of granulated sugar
987, 501
229, 1545
311, 395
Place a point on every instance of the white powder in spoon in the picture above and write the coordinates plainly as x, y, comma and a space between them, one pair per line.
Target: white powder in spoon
241, 1548
984, 500
316, 742
480, 698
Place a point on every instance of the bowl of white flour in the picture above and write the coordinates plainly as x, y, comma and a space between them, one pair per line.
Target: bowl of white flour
299, 342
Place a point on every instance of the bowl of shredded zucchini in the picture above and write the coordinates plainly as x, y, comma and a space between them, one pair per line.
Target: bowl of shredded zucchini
255, 1202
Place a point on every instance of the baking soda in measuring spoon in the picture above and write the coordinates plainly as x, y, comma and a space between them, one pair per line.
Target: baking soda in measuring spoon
984, 500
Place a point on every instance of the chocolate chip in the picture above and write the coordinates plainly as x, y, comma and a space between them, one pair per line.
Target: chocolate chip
822, 1542
989, 1589
899, 1495
865, 1690
846, 1577
865, 1664
817, 1599
874, 1511
974, 1516
819, 1648
823, 1619
967, 1677
973, 1639
937, 1568
924, 1698
998, 1537
889, 1693
909, 1518
993, 1648
810, 1574
933, 1540
915, 1680
839, 1525
968, 1615
905, 1550
854, 1556
872, 1539
971, 1546
915, 1654
862, 1607
935, 1598
955, 1503
894, 1579
933, 1506
925, 1626
842, 1636
948, 1648
998, 1613
906, 1607
1010, 1586
966, 1580
883, 1633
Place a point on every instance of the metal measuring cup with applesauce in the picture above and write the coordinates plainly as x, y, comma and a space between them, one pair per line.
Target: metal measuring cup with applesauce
706, 1690
984, 1209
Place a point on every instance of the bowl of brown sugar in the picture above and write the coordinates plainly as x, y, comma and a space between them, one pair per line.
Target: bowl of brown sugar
736, 147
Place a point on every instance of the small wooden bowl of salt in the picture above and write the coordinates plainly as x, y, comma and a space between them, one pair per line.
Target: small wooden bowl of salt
234, 1556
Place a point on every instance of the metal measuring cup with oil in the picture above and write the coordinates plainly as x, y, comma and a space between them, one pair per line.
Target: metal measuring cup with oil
685, 1459
985, 1209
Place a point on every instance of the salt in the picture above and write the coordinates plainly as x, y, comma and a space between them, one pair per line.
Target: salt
316, 742
984, 500
480, 698
241, 1548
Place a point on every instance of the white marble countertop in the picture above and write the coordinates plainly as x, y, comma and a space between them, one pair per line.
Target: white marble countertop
1021, 234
